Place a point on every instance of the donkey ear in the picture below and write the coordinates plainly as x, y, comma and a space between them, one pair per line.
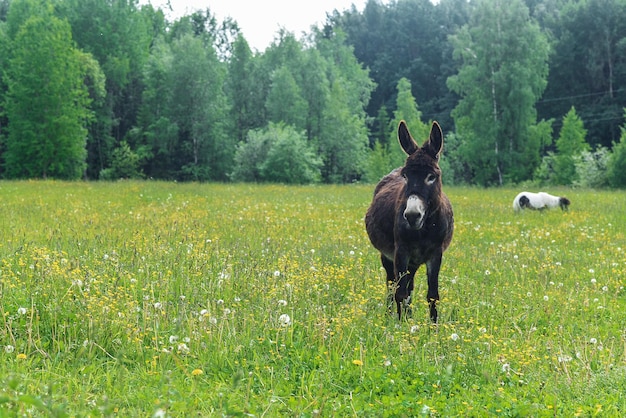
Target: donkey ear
434, 145
406, 140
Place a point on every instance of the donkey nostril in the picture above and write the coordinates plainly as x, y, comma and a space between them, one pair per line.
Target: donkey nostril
413, 217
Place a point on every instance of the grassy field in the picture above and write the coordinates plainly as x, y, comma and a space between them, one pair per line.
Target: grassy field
158, 299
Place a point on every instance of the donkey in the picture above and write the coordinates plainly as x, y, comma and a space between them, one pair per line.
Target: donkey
410, 220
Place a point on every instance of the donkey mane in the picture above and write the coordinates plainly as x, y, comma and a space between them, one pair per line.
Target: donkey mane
410, 220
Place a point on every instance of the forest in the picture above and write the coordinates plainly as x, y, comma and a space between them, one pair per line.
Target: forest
526, 91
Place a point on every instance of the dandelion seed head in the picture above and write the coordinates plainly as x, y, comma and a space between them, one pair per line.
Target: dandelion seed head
9, 349
21, 311
159, 413
454, 336
593, 340
284, 320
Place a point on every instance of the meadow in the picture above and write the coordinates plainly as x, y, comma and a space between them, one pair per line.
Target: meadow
163, 299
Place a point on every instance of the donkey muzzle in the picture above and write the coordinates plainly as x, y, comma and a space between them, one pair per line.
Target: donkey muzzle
415, 212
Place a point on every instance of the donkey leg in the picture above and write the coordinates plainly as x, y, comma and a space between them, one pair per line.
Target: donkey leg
404, 280
432, 271
407, 301
391, 283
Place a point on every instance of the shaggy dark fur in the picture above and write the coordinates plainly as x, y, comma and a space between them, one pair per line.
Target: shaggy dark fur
405, 238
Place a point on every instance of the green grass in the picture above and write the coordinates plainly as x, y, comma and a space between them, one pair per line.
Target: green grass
142, 298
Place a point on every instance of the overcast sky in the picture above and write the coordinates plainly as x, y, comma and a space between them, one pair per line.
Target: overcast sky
260, 20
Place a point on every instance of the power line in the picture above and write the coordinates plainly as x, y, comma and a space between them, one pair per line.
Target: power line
577, 96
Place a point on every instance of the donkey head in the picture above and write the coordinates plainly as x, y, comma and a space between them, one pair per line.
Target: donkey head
421, 173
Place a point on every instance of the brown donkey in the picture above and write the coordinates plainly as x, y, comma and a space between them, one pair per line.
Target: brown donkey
410, 220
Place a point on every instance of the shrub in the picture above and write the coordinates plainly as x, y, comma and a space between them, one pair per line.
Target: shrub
276, 154
591, 168
124, 164
616, 166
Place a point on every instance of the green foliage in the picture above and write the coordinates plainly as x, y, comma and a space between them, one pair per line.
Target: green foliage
591, 168
499, 80
284, 100
570, 144
118, 36
587, 66
182, 93
124, 164
379, 163
290, 158
407, 110
236, 300
250, 156
46, 101
277, 154
343, 142
545, 173
616, 166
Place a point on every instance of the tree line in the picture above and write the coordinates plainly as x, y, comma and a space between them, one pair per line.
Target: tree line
525, 90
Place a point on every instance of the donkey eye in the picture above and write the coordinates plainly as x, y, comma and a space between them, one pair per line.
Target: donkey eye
430, 179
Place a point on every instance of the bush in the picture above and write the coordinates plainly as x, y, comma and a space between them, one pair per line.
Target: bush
591, 168
545, 173
616, 166
124, 164
277, 154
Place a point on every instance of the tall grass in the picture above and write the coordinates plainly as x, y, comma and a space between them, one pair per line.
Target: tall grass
141, 298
